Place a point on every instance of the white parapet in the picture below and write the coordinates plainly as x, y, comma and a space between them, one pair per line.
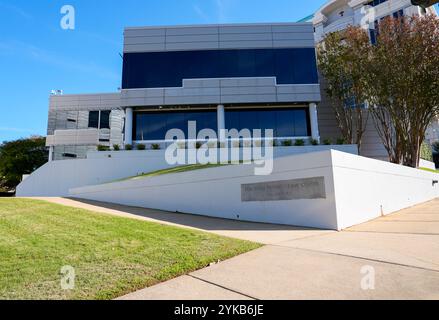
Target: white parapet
328, 190
55, 178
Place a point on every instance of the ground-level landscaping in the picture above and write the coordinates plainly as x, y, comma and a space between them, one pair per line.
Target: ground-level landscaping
111, 256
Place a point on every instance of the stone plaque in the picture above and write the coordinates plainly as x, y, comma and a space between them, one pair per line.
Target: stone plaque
310, 188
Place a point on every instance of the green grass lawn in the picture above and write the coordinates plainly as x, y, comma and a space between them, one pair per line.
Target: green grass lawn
179, 169
430, 170
112, 256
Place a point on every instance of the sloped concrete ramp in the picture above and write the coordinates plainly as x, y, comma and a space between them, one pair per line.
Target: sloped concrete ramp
328, 190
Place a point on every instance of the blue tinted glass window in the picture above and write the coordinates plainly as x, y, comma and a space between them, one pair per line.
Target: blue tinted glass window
93, 119
154, 125
301, 123
105, 120
284, 122
168, 69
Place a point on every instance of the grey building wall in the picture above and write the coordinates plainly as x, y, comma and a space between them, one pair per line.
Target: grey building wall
372, 145
208, 37
71, 112
222, 91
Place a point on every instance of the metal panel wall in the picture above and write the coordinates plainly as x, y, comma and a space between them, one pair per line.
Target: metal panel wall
208, 37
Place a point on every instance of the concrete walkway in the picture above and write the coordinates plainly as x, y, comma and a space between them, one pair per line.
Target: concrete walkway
399, 252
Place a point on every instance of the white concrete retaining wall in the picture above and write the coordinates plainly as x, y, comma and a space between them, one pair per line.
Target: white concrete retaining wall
367, 188
55, 178
357, 190
217, 192
427, 164
278, 151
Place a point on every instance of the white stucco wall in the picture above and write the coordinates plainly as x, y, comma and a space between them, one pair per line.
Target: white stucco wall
55, 179
366, 188
217, 192
358, 189
427, 164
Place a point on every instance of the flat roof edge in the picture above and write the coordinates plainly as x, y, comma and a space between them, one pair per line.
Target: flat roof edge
219, 25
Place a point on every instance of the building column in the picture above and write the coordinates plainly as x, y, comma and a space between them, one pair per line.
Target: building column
50, 153
221, 122
128, 126
314, 122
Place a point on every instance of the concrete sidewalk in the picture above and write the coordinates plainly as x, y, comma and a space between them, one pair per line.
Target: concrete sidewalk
298, 263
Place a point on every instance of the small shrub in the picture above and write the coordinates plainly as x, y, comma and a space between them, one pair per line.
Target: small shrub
341, 141
128, 147
426, 152
140, 147
116, 147
247, 144
299, 143
213, 145
155, 146
327, 142
198, 145
103, 148
287, 143
236, 144
314, 142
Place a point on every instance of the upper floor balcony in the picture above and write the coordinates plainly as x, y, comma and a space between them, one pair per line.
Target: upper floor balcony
339, 24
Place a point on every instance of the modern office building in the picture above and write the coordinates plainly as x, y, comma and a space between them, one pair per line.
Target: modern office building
336, 15
255, 76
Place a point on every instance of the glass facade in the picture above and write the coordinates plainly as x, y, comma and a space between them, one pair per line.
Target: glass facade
99, 119
155, 125
93, 119
168, 69
285, 122
375, 3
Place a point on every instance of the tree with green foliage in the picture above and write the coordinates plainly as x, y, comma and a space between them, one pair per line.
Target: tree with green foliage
20, 157
343, 81
427, 152
398, 77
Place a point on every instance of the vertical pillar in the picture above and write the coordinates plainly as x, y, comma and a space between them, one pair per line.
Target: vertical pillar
129, 126
50, 153
221, 122
314, 122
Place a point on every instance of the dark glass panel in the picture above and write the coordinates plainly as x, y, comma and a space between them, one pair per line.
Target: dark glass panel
105, 119
168, 69
154, 126
301, 123
93, 119
284, 122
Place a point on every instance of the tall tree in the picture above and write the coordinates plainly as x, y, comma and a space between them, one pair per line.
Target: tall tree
398, 77
342, 72
20, 157
402, 77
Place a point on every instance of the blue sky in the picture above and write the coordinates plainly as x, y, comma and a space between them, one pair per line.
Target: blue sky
37, 55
